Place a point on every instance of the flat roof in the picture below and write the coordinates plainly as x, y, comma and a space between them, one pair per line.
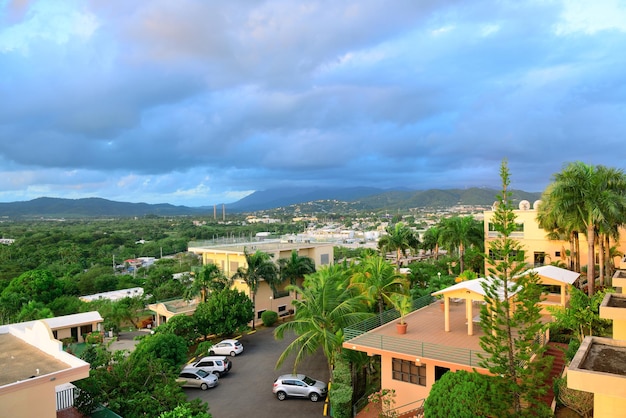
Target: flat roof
21, 361
555, 273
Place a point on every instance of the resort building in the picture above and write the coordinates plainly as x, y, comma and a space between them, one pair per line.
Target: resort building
441, 336
538, 249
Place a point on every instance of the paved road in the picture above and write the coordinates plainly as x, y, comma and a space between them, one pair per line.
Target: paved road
247, 390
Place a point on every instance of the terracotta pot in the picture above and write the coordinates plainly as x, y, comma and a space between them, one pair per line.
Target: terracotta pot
401, 328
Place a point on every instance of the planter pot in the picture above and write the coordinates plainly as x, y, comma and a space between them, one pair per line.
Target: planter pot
401, 328
443, 306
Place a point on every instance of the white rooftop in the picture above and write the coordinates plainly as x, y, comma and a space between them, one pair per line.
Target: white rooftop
114, 294
556, 273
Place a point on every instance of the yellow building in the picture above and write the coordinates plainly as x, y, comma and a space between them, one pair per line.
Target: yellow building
599, 365
538, 249
230, 257
33, 365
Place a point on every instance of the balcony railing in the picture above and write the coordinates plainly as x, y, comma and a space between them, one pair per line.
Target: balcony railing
360, 328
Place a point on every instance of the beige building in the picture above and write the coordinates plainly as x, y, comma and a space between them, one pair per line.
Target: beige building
34, 364
230, 257
538, 249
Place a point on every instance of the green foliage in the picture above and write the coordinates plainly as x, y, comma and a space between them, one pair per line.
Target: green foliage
94, 338
399, 239
572, 349
34, 310
224, 313
464, 394
183, 411
183, 326
35, 285
133, 386
582, 315
576, 400
269, 318
378, 281
510, 334
340, 394
459, 233
169, 348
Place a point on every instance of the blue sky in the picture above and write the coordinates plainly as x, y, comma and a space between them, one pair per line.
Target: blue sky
200, 103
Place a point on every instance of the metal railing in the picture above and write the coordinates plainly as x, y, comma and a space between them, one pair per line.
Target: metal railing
383, 318
66, 397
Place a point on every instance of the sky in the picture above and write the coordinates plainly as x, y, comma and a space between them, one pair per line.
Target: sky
197, 103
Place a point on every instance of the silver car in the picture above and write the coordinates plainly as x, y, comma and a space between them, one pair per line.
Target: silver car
299, 386
197, 379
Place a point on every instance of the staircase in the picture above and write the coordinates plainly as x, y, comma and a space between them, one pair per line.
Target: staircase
556, 350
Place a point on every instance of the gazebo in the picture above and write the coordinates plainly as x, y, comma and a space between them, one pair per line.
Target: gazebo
469, 291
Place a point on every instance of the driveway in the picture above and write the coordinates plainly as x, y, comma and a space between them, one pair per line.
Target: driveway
246, 391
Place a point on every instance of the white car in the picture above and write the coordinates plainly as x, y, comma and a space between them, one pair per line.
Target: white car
218, 365
299, 386
226, 348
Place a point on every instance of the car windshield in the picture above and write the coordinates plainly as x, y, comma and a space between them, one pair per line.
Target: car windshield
202, 373
308, 380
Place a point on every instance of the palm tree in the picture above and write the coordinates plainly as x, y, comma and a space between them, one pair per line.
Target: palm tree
591, 197
295, 267
399, 238
259, 267
377, 280
327, 305
458, 233
559, 229
208, 278
431, 240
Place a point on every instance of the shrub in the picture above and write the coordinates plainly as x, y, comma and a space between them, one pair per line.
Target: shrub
94, 338
269, 318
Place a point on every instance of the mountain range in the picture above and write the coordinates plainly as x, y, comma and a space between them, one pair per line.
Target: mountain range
287, 200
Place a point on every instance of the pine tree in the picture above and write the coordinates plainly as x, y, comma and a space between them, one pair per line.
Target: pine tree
511, 317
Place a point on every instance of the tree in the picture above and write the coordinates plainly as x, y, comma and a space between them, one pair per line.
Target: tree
295, 267
399, 238
259, 266
327, 305
465, 394
183, 411
588, 197
181, 325
169, 348
431, 240
511, 317
206, 279
224, 313
377, 280
460, 232
34, 285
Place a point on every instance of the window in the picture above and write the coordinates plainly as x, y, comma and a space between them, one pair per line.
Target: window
407, 371
324, 259
557, 253
260, 313
282, 308
234, 266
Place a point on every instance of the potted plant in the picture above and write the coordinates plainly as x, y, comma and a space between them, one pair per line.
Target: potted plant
403, 304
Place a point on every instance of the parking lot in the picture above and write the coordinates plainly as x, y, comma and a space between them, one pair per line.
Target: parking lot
247, 390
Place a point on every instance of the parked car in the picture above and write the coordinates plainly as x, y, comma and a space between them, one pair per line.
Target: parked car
218, 365
226, 348
197, 379
299, 386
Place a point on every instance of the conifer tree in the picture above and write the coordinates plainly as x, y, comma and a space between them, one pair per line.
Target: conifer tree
511, 317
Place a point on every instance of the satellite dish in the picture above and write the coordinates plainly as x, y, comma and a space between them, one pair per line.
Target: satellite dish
536, 204
524, 205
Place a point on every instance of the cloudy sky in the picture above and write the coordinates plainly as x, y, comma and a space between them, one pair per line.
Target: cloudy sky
197, 102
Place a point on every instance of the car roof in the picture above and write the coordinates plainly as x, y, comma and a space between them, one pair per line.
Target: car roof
207, 358
229, 341
291, 376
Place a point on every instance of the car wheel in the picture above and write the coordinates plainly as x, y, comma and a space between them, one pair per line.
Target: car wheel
233, 354
211, 353
281, 395
314, 397
204, 386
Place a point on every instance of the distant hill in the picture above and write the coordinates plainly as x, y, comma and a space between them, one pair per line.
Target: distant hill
51, 207
307, 200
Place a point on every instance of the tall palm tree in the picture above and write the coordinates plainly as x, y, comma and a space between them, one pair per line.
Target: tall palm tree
377, 280
259, 266
295, 267
399, 238
589, 196
205, 279
327, 305
461, 232
560, 229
